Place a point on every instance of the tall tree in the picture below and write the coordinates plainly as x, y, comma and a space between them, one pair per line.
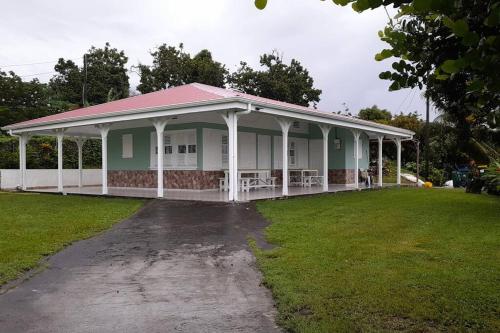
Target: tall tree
107, 77
20, 101
452, 48
288, 83
172, 66
376, 114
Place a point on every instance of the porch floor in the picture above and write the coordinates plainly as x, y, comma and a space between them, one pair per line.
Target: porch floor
205, 195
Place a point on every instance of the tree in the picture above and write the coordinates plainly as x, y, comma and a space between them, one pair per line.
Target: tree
20, 101
107, 77
172, 67
288, 83
375, 114
450, 47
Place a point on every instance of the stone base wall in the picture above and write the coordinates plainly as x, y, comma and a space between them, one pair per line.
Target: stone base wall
341, 176
198, 179
172, 179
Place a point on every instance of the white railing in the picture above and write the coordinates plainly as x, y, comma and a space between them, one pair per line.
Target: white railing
40, 178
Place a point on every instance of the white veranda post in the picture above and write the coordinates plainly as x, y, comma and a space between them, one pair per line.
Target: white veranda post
380, 139
104, 130
231, 120
60, 138
326, 130
79, 144
398, 168
23, 140
285, 127
356, 134
159, 125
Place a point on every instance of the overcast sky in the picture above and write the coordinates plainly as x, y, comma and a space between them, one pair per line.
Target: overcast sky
336, 44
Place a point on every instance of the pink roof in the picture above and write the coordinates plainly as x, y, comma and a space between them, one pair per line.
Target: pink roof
189, 93
177, 96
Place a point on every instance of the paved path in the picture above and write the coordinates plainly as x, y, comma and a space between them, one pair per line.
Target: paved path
173, 267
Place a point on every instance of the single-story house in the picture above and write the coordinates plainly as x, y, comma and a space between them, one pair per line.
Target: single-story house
202, 139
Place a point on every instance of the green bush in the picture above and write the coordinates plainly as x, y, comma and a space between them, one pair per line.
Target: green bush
491, 179
41, 153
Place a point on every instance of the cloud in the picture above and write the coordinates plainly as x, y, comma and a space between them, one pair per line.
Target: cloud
336, 44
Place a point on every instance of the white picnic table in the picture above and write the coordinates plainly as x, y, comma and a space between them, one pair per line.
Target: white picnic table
304, 177
248, 179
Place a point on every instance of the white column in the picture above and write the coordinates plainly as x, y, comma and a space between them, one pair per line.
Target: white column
23, 140
231, 120
60, 137
159, 125
326, 130
380, 168
398, 173
79, 143
104, 130
356, 134
285, 127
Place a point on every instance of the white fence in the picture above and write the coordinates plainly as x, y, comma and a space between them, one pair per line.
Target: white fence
39, 178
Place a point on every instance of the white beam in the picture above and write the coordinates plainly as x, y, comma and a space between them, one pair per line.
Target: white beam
380, 140
79, 143
23, 141
285, 127
159, 125
397, 141
60, 138
356, 134
325, 129
104, 130
232, 123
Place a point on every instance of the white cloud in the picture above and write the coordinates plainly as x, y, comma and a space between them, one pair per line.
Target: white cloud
336, 44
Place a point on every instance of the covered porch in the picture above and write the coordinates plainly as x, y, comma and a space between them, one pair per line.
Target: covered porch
196, 142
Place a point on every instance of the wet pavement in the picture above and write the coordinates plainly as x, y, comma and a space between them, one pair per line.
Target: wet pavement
173, 267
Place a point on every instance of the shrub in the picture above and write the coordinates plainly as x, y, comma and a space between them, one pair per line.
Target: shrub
491, 178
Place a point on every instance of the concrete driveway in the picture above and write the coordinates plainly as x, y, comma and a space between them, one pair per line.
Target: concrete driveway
173, 267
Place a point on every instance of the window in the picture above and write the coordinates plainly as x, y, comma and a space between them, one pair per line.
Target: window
292, 154
127, 146
180, 151
296, 124
225, 150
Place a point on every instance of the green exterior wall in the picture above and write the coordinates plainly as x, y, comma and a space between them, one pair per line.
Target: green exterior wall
337, 159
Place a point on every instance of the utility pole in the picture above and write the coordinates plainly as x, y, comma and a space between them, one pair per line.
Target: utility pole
426, 134
84, 86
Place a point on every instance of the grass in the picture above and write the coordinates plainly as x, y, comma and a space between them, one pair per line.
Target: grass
35, 225
412, 260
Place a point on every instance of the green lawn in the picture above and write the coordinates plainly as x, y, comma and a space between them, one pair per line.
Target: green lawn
35, 225
391, 260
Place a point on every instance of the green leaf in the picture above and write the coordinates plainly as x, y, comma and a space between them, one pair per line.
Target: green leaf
470, 39
383, 55
385, 75
341, 2
260, 4
442, 77
450, 66
394, 86
475, 85
381, 33
422, 5
460, 28
361, 5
